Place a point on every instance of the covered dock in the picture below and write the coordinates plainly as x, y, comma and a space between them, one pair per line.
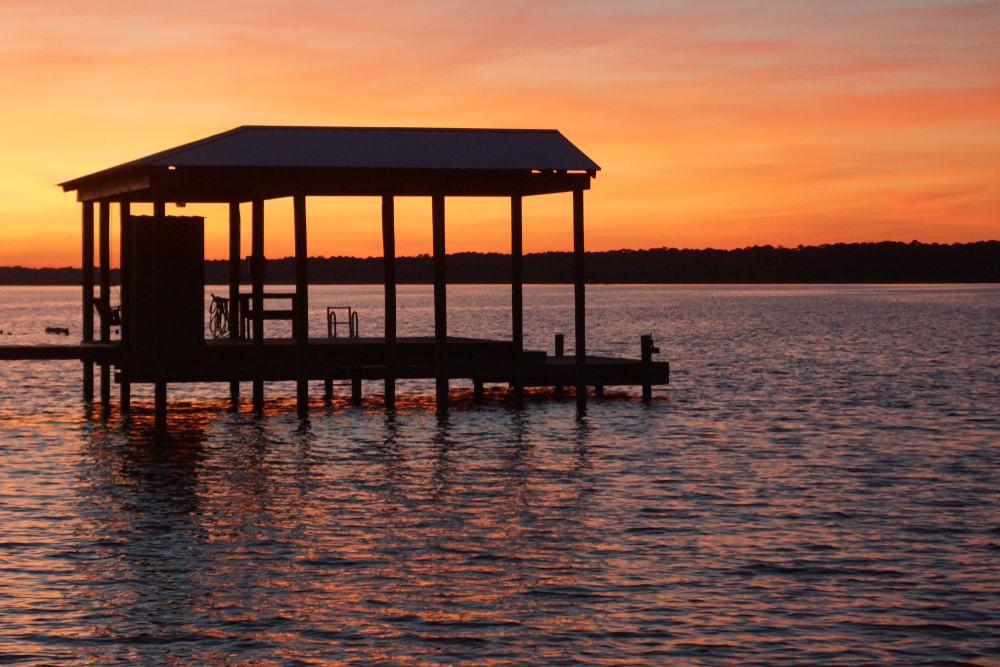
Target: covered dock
161, 313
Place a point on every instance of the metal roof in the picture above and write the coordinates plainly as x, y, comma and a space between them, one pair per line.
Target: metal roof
375, 147
270, 161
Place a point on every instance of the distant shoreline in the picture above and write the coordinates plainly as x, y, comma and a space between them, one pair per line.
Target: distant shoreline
854, 263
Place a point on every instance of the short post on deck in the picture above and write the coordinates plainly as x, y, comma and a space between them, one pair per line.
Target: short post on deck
647, 352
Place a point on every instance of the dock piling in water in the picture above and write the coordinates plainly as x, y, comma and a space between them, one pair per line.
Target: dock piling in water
88, 297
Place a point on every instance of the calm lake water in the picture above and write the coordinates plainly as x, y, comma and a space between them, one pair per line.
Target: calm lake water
820, 484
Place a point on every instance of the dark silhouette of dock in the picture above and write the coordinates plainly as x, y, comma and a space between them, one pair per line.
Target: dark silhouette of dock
161, 309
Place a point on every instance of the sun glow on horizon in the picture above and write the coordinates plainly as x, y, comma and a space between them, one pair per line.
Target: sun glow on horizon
722, 124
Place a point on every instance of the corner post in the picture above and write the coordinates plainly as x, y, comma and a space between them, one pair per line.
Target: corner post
580, 298
104, 251
516, 292
440, 304
126, 268
88, 297
257, 276
389, 259
301, 306
234, 287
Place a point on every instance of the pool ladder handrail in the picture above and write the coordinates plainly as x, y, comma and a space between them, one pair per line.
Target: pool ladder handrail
332, 323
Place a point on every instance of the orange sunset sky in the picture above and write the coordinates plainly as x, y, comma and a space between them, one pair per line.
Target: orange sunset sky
721, 123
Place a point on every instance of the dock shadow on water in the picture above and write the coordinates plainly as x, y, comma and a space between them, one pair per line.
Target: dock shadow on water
817, 486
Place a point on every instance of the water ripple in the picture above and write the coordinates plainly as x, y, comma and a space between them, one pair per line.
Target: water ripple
818, 486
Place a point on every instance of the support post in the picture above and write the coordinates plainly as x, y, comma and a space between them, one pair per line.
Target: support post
301, 305
440, 304
560, 352
159, 363
517, 293
88, 296
257, 276
160, 407
104, 251
389, 259
580, 297
234, 287
126, 269
356, 390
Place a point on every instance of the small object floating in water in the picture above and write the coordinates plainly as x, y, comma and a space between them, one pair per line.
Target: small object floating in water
59, 331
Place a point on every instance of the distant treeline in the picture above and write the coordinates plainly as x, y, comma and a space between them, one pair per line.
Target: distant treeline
886, 262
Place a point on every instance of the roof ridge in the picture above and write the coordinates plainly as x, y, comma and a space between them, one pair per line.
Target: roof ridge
388, 128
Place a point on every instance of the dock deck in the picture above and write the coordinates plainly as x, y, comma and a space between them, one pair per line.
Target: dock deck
480, 360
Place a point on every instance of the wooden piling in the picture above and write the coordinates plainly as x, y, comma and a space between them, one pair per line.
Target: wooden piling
580, 299
257, 278
517, 291
159, 363
301, 307
560, 352
389, 260
126, 269
104, 252
160, 407
88, 296
440, 304
234, 286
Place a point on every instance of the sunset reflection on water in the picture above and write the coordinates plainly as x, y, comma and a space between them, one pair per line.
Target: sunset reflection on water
815, 487
254, 529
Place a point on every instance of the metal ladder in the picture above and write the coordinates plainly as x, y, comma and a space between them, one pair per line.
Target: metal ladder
332, 323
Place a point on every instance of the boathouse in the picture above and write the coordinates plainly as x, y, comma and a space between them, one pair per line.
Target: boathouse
162, 313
